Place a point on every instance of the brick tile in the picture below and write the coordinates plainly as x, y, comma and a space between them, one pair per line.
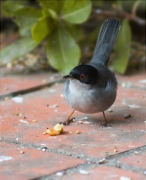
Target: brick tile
94, 141
135, 160
106, 173
33, 163
12, 83
136, 79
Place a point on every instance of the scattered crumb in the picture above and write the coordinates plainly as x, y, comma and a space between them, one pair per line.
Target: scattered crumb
115, 150
133, 106
86, 122
110, 110
126, 116
18, 99
5, 88
23, 121
34, 120
80, 122
53, 106
58, 129
102, 161
6, 98
81, 171
18, 114
60, 173
61, 95
83, 118
125, 178
52, 90
70, 132
135, 152
44, 149
44, 80
21, 152
43, 144
78, 132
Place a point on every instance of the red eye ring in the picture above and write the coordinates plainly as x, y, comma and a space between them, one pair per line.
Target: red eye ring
82, 76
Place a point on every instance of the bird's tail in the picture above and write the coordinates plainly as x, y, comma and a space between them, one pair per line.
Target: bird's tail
105, 42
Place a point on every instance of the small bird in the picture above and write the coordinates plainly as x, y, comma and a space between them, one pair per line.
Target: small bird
91, 88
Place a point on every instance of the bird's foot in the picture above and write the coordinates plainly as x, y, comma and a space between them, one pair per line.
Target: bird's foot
105, 125
68, 121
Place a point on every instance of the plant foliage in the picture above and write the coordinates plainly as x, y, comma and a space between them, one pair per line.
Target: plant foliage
122, 48
58, 22
55, 20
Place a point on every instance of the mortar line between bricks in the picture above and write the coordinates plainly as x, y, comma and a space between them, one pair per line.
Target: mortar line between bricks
81, 156
88, 166
120, 155
112, 161
85, 166
29, 90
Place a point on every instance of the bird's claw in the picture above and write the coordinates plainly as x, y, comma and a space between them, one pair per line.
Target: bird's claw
68, 121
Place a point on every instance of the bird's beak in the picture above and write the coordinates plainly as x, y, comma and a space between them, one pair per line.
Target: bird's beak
68, 77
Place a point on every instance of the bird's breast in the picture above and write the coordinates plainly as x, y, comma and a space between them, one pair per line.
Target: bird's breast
86, 98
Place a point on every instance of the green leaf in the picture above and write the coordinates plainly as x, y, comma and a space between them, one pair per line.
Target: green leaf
55, 5
53, 14
75, 31
50, 7
27, 16
76, 11
25, 31
17, 49
49, 4
42, 28
10, 6
122, 48
62, 51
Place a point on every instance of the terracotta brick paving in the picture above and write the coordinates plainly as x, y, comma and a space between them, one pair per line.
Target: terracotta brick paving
106, 173
28, 154
27, 163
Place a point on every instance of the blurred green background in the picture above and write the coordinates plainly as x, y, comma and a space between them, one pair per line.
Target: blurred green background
39, 34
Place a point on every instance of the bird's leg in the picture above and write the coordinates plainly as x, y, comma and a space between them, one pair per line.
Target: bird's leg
68, 119
105, 121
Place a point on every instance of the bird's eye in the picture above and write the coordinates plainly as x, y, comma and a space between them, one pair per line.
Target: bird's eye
82, 76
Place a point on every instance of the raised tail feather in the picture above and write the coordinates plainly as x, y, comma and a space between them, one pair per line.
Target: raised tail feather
106, 39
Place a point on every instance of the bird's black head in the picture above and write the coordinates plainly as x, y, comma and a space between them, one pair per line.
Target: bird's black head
84, 73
